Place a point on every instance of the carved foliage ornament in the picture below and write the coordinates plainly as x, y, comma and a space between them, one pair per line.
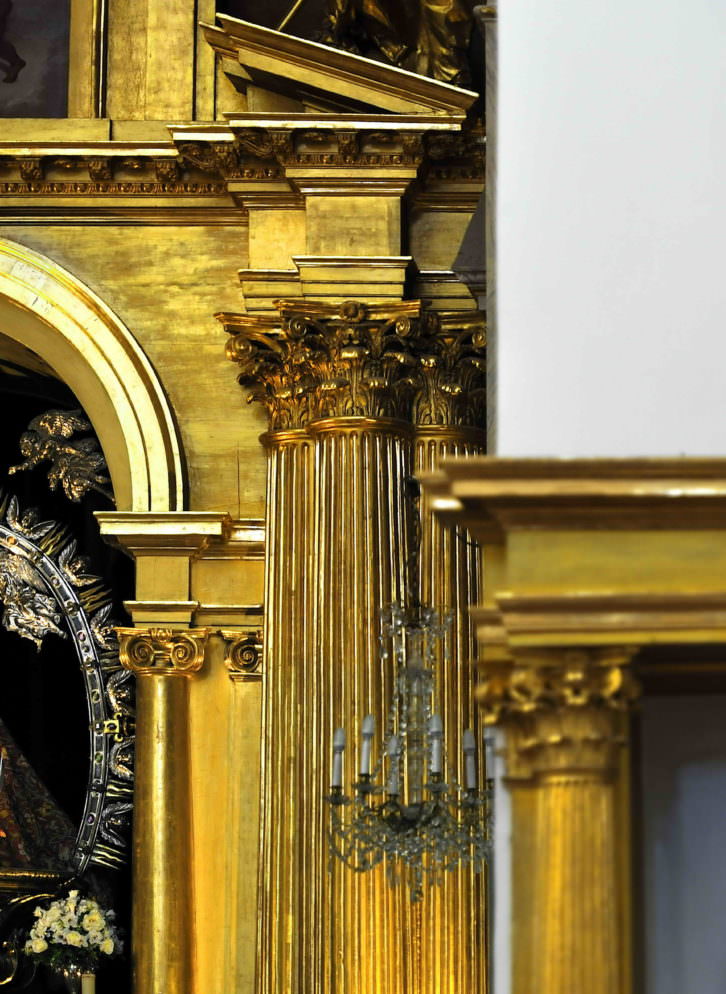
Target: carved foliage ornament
325, 361
561, 709
46, 589
451, 386
541, 681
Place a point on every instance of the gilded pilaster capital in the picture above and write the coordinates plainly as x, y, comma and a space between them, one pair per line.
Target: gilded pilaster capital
451, 383
162, 651
562, 709
242, 653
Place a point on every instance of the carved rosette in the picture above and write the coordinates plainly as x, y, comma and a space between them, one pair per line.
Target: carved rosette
561, 709
451, 383
243, 654
162, 651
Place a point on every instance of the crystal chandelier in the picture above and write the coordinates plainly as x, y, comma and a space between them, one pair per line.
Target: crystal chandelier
405, 810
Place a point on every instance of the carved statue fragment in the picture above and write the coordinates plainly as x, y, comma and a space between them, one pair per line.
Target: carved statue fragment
429, 37
77, 464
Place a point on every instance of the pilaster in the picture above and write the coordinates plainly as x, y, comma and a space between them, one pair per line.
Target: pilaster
163, 660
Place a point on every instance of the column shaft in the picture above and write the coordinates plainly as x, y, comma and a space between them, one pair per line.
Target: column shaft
162, 885
453, 958
290, 752
575, 933
361, 464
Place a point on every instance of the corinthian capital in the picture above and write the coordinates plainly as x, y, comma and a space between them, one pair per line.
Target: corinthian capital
163, 651
451, 383
274, 366
362, 358
562, 709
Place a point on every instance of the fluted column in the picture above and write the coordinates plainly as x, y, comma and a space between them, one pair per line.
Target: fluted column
273, 366
340, 383
162, 941
449, 413
561, 711
361, 465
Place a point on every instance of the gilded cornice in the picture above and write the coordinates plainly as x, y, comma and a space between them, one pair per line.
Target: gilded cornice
116, 168
339, 76
493, 496
162, 651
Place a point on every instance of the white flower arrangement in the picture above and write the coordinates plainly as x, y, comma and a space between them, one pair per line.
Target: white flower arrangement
73, 931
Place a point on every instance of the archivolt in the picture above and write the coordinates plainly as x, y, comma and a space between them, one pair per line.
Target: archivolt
45, 308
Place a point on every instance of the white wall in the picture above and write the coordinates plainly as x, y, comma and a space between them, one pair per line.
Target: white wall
612, 228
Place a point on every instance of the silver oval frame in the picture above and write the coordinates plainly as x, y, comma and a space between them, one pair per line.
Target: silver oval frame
48, 552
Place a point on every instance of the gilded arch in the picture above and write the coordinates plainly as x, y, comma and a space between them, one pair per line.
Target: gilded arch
45, 308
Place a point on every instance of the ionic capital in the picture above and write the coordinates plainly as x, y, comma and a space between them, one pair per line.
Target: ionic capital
162, 651
242, 654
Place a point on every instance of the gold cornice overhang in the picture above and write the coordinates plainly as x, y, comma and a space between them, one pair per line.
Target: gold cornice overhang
281, 60
164, 533
592, 552
493, 496
524, 621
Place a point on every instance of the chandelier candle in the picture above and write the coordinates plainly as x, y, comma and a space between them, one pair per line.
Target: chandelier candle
338, 747
367, 730
436, 734
469, 746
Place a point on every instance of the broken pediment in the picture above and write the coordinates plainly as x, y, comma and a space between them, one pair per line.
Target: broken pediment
321, 77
